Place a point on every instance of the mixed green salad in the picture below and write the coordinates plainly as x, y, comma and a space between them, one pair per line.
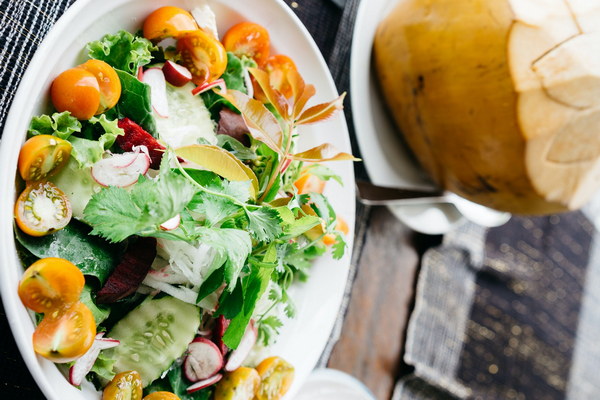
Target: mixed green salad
165, 210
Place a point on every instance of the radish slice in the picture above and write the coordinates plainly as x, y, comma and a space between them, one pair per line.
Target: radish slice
248, 83
204, 360
171, 224
237, 356
118, 169
175, 74
221, 326
204, 383
155, 78
84, 364
140, 73
167, 42
220, 83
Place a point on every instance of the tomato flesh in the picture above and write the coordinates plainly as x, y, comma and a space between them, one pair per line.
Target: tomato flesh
240, 384
248, 39
65, 334
203, 55
167, 22
278, 67
162, 396
43, 156
124, 386
42, 208
77, 91
309, 183
276, 376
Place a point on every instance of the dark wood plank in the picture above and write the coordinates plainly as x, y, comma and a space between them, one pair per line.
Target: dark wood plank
370, 345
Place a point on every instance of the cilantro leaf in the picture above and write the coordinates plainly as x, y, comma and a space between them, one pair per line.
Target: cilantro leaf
117, 213
264, 224
339, 247
268, 329
213, 208
122, 51
293, 226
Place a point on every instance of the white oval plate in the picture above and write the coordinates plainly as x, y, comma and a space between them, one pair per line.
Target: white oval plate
302, 340
387, 158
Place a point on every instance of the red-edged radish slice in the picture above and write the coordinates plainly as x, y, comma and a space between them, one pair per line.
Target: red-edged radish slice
115, 171
84, 364
175, 74
221, 325
203, 360
140, 73
171, 223
220, 83
204, 383
206, 19
248, 83
155, 78
237, 356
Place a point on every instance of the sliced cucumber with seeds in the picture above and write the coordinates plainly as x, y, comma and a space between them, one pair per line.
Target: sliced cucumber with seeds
153, 335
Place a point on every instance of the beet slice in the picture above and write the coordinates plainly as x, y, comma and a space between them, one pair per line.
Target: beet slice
130, 272
135, 135
232, 124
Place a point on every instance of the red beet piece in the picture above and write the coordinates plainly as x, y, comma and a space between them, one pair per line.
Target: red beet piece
135, 135
232, 124
221, 326
130, 272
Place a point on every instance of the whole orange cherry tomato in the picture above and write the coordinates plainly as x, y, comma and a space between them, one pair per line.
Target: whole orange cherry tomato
248, 39
42, 209
203, 55
278, 67
168, 21
162, 396
49, 284
108, 82
276, 376
77, 91
124, 386
43, 156
65, 334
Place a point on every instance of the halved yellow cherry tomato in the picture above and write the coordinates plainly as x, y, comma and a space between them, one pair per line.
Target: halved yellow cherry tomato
124, 386
309, 183
43, 156
277, 376
167, 22
49, 284
241, 384
162, 396
108, 82
77, 91
42, 209
278, 67
65, 334
248, 39
203, 55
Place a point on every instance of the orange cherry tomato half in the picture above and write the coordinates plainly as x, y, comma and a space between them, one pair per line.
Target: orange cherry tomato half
108, 82
43, 156
50, 284
341, 226
77, 91
276, 376
167, 22
65, 334
241, 384
278, 67
309, 183
203, 55
124, 386
248, 39
162, 396
42, 209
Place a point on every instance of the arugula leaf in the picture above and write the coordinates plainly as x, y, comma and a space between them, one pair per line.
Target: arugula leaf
211, 284
134, 103
122, 51
230, 303
264, 224
61, 125
117, 213
92, 255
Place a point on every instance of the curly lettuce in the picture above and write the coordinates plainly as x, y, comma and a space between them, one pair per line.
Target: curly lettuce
122, 51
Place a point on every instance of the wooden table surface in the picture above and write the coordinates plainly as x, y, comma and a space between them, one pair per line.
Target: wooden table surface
387, 256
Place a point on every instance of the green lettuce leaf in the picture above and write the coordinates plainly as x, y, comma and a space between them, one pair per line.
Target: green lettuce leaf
122, 51
61, 125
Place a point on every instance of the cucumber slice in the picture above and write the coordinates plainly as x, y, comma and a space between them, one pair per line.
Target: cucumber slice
153, 335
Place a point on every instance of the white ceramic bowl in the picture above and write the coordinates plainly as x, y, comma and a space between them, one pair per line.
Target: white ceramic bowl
302, 339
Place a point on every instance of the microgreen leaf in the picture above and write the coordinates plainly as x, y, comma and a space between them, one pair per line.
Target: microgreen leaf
273, 96
321, 112
323, 152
